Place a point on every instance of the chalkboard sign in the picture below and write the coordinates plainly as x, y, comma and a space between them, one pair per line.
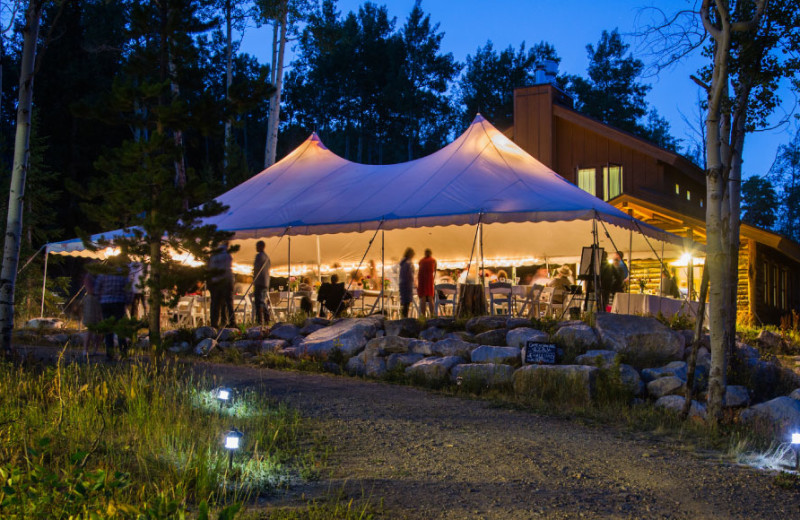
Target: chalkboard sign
540, 353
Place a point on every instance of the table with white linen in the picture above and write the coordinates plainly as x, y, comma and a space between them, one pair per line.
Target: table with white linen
651, 304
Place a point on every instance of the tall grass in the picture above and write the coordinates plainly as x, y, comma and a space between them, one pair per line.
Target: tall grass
118, 440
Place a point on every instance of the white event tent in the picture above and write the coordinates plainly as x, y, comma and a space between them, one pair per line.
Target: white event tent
315, 209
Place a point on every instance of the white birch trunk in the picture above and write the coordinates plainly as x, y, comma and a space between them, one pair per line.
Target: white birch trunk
275, 102
8, 276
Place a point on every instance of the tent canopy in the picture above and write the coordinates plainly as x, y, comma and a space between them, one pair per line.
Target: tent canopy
331, 207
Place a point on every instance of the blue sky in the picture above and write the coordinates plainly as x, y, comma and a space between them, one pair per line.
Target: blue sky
569, 25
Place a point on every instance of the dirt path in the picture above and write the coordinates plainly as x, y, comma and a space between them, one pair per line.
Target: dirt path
434, 456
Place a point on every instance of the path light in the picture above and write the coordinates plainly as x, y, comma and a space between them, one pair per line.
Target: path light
796, 446
223, 396
233, 441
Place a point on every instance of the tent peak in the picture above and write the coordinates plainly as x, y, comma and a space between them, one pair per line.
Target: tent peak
314, 138
478, 119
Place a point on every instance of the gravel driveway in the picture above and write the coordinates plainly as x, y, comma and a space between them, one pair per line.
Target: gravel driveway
434, 456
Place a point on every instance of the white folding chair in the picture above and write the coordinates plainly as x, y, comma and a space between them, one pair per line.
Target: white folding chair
450, 293
500, 296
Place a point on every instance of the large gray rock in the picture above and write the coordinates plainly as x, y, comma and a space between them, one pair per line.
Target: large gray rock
520, 336
201, 333
434, 368
308, 328
316, 320
482, 374
553, 381
256, 333
272, 345
577, 334
180, 347
247, 344
406, 327
375, 368
452, 347
402, 360
480, 324
795, 394
598, 358
228, 334
770, 340
287, 331
781, 414
460, 335
496, 355
443, 322
515, 323
349, 335
44, 323
379, 347
642, 341
432, 334
629, 377
675, 403
668, 385
57, 339
420, 346
674, 368
205, 346
736, 397
355, 366
496, 338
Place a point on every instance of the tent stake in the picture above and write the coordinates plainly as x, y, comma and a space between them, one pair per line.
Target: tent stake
44, 281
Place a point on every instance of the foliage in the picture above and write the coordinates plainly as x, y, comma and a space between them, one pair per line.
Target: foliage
785, 177
69, 426
759, 202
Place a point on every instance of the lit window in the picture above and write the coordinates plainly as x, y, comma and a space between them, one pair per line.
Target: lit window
688, 195
701, 203
612, 182
677, 189
586, 180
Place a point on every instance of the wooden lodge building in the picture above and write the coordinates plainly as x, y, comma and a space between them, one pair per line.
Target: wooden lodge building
657, 186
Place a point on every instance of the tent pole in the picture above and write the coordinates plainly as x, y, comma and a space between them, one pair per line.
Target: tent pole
595, 267
483, 268
289, 278
319, 262
630, 266
383, 268
44, 281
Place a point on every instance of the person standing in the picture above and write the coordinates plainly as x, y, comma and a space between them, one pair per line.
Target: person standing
220, 285
622, 269
92, 313
406, 282
425, 283
137, 275
261, 266
113, 293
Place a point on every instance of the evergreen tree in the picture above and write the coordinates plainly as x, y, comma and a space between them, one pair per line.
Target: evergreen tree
785, 176
759, 202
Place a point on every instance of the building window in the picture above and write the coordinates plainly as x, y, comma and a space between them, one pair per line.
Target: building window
688, 195
587, 180
612, 182
677, 189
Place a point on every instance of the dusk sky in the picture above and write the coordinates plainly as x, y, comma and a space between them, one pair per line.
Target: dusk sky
570, 25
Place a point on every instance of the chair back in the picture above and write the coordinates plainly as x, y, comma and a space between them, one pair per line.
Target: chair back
446, 288
546, 294
274, 298
499, 288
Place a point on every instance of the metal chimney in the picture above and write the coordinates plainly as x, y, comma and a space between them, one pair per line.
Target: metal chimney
546, 72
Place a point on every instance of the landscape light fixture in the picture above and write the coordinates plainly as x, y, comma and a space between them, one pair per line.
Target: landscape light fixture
223, 396
232, 443
796, 447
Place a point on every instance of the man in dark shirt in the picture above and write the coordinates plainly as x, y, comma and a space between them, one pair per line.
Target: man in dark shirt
261, 267
334, 297
220, 285
114, 294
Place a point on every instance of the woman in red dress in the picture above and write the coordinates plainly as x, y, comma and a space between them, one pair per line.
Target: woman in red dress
425, 282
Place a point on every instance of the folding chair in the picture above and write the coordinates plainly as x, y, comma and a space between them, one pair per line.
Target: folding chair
500, 295
450, 292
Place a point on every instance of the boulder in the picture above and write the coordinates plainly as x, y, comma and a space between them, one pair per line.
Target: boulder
309, 328
287, 331
770, 340
315, 320
406, 327
272, 345
668, 385
256, 333
675, 403
420, 346
170, 335
57, 339
675, 368
441, 322
44, 323
201, 333
577, 334
795, 394
224, 344
629, 377
482, 374
180, 348
432, 334
745, 352
520, 336
551, 382
452, 347
205, 346
496, 355
642, 341
703, 359
292, 352
402, 360
349, 335
379, 347
77, 339
247, 344
496, 337
355, 366
460, 335
599, 358
781, 414
736, 397
480, 324
515, 323
375, 368
228, 334
297, 340
434, 368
